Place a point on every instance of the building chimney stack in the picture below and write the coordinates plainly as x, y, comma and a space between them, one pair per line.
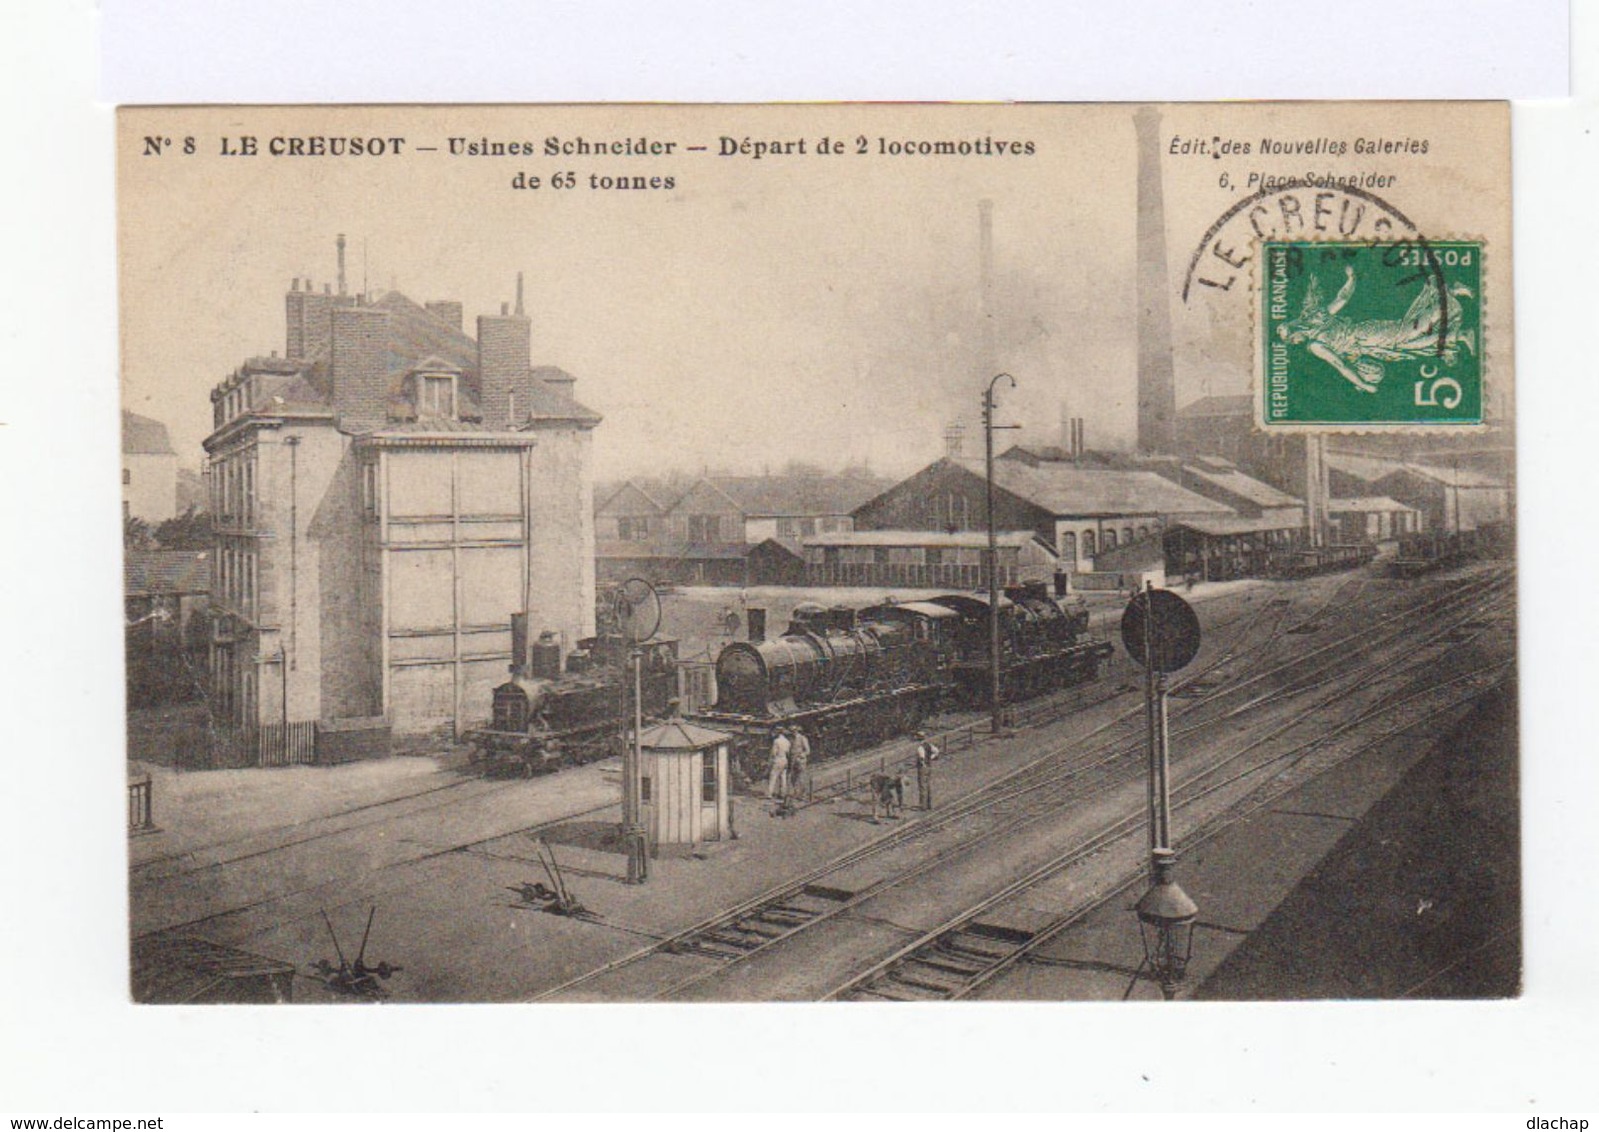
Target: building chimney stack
954, 438
504, 366
358, 365
519, 311
341, 263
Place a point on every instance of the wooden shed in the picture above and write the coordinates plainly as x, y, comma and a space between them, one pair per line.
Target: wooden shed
684, 790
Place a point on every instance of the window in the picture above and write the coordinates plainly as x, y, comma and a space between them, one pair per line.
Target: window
1127, 535
704, 528
1068, 548
708, 776
644, 788
127, 475
785, 528
437, 396
624, 528
935, 556
1110, 539
1088, 544
641, 528
807, 527
1143, 531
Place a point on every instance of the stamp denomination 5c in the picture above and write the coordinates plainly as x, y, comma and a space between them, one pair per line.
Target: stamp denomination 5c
1365, 336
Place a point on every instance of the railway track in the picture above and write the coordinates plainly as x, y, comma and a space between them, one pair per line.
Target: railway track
968, 952
1034, 793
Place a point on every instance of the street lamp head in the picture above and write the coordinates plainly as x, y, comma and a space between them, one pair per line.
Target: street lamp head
1166, 918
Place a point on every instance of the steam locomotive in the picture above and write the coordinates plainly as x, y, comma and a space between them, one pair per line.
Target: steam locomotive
543, 718
850, 677
853, 678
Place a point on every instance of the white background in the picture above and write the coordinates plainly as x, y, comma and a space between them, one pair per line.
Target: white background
69, 1043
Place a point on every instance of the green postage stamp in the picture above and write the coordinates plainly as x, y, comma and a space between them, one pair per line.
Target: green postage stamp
1367, 336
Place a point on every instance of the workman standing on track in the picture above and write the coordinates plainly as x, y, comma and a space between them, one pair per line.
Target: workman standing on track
926, 754
777, 776
799, 763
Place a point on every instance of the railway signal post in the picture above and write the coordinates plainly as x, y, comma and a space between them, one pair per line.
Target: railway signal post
1161, 631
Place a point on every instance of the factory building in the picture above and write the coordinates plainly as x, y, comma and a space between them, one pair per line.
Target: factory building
1078, 511
385, 496
710, 532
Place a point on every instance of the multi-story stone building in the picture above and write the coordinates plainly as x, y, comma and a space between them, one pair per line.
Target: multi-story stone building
385, 496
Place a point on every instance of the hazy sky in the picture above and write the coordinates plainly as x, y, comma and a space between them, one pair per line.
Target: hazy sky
794, 307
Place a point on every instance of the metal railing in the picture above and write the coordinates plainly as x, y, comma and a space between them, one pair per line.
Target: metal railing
141, 809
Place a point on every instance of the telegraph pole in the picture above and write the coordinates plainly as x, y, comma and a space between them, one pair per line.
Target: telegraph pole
994, 657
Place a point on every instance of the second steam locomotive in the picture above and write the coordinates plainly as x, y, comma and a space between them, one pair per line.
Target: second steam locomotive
853, 678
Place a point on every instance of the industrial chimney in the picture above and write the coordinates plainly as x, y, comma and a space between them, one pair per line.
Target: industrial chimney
1157, 390
341, 263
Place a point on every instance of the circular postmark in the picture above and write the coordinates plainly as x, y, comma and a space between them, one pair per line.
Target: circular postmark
1349, 291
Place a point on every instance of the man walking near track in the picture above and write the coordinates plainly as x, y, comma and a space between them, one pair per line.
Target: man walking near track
926, 754
777, 776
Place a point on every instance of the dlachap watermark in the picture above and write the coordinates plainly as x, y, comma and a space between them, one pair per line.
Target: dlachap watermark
1557, 1123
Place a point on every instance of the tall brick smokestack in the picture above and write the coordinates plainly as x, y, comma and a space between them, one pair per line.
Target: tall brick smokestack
505, 367
341, 263
1157, 387
359, 364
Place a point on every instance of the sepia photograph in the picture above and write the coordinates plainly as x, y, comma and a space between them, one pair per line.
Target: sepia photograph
853, 553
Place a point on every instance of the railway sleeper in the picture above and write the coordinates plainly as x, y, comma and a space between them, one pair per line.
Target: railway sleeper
761, 928
1000, 932
914, 977
822, 892
713, 949
953, 962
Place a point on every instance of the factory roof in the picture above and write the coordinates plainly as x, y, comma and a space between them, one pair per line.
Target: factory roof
149, 572
1236, 524
630, 499
1066, 489
1226, 476
1366, 503
142, 436
1374, 468
798, 495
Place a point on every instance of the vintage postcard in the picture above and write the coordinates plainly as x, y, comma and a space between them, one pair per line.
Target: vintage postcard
871, 553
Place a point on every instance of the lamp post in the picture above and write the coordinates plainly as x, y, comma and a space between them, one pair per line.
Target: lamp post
1162, 631
998, 716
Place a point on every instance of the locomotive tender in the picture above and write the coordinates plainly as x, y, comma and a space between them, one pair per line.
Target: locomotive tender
853, 678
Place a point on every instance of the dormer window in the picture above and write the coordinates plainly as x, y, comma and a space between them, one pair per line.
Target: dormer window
436, 395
